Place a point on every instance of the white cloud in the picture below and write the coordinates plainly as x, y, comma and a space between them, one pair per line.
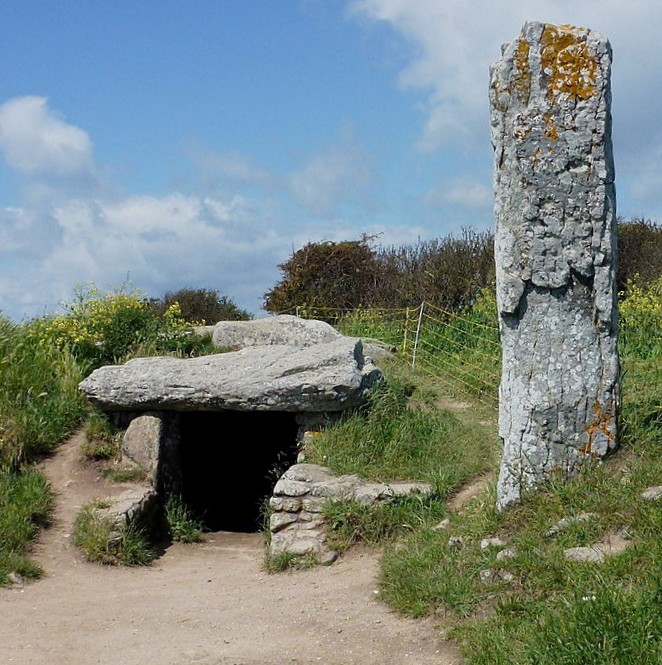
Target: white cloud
14, 225
233, 168
463, 194
454, 42
160, 243
36, 142
340, 174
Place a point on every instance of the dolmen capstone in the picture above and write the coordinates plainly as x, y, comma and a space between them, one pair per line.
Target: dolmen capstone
279, 364
325, 377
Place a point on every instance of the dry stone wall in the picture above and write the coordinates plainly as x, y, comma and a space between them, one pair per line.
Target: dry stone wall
555, 249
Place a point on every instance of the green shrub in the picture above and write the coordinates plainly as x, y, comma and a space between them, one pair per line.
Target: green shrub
446, 272
639, 252
349, 522
341, 275
201, 306
640, 327
107, 328
288, 561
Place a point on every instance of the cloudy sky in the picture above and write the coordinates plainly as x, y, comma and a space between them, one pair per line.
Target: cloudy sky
174, 144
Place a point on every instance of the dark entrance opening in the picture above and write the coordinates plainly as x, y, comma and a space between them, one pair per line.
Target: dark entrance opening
230, 462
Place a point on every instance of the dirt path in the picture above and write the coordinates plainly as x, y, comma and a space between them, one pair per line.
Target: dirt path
203, 604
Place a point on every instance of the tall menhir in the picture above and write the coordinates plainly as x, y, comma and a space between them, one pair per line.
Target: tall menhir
555, 246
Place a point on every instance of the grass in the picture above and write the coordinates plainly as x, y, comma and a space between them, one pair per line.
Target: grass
534, 608
552, 610
401, 435
103, 542
288, 561
102, 438
183, 527
25, 506
39, 401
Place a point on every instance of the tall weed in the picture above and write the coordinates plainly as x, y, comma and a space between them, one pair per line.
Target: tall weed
39, 404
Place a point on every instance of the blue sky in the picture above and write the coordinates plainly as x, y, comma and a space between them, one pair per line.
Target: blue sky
198, 144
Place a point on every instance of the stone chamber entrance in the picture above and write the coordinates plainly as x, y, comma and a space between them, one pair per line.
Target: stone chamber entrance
229, 463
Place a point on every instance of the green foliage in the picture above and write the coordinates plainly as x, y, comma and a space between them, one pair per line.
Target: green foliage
123, 474
25, 506
183, 527
99, 328
39, 401
611, 626
387, 326
101, 437
350, 522
326, 274
394, 439
201, 306
446, 272
106, 328
283, 561
640, 329
103, 542
639, 252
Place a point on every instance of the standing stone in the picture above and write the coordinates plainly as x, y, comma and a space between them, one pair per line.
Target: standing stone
555, 247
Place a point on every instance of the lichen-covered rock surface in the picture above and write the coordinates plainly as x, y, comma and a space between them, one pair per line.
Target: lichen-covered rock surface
555, 247
297, 522
327, 377
282, 329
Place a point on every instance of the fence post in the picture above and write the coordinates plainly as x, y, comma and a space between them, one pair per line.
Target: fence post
406, 332
418, 331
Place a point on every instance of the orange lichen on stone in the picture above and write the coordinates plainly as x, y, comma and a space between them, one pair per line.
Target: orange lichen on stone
566, 60
602, 424
522, 81
551, 131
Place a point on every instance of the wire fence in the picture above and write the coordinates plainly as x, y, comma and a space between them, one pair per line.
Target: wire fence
459, 350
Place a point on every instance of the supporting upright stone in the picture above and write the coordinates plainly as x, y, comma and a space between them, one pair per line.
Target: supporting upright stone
555, 249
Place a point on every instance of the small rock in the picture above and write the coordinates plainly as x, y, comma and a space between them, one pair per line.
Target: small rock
508, 553
492, 576
442, 525
328, 557
611, 545
492, 541
652, 493
456, 542
567, 522
584, 554
16, 579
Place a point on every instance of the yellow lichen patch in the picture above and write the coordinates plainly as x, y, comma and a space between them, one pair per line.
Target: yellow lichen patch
523, 73
551, 131
571, 68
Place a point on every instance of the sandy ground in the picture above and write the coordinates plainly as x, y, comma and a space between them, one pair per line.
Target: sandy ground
204, 604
